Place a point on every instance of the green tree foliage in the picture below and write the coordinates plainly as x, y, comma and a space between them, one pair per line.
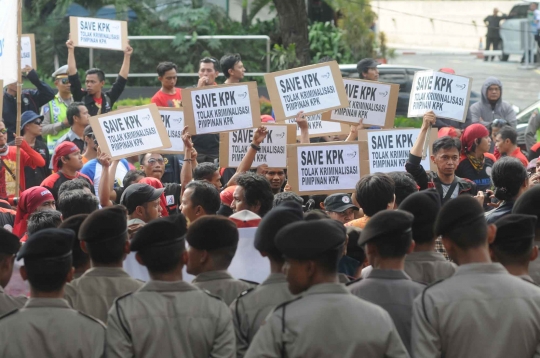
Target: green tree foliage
326, 40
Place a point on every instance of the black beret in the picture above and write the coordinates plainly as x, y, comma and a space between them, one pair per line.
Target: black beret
212, 233
388, 224
306, 240
157, 233
284, 214
48, 244
425, 206
457, 213
74, 223
353, 250
515, 227
109, 223
9, 243
529, 203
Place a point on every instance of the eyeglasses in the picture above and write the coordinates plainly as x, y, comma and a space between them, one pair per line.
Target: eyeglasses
161, 161
3, 130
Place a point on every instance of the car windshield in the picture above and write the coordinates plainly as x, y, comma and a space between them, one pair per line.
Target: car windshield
519, 11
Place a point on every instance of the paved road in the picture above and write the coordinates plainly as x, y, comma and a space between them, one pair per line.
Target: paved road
520, 87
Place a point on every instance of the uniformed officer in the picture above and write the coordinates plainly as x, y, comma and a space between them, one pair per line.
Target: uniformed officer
46, 325
251, 308
55, 123
482, 310
327, 320
212, 244
387, 239
9, 246
425, 264
168, 317
514, 244
94, 292
528, 204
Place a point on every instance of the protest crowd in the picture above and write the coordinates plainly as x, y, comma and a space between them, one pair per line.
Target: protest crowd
277, 238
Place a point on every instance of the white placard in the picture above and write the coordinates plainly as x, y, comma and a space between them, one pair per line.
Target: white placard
174, 123
389, 150
28, 51
8, 41
332, 167
317, 126
371, 101
273, 148
444, 94
98, 33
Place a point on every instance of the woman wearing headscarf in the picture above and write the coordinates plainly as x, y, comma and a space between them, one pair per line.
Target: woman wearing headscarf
156, 183
34, 199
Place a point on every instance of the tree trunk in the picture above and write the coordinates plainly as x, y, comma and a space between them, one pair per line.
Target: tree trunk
293, 23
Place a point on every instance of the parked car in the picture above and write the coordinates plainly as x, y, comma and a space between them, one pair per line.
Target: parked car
511, 30
523, 118
401, 75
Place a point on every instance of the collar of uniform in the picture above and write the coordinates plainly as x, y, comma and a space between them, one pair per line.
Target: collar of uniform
166, 286
480, 268
135, 221
106, 272
212, 275
61, 100
527, 278
71, 135
388, 274
274, 278
425, 256
323, 288
47, 302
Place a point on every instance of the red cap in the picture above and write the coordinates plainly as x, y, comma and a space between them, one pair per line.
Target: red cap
61, 150
226, 195
473, 132
265, 118
447, 70
447, 131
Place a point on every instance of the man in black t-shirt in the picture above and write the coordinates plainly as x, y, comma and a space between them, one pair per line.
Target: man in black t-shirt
153, 165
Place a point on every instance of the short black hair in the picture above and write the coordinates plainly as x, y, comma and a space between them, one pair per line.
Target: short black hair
162, 259
98, 72
75, 202
210, 60
374, 192
131, 176
329, 260
80, 258
73, 184
287, 196
47, 275
204, 171
46, 219
257, 190
404, 185
446, 142
163, 67
107, 252
469, 236
392, 248
227, 63
205, 195
508, 132
508, 175
73, 110
511, 253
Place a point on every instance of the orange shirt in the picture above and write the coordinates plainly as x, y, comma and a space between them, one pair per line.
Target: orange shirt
517, 154
360, 223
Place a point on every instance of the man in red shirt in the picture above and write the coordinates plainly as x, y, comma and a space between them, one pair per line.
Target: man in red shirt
168, 95
506, 144
8, 163
67, 161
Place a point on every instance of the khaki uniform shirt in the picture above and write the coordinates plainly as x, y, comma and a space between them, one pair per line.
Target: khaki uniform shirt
170, 319
222, 284
327, 321
481, 311
428, 267
48, 327
394, 291
534, 267
94, 292
9, 303
250, 309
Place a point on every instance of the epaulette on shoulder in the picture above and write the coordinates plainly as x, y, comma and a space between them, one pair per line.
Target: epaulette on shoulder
250, 282
212, 295
9, 313
93, 319
119, 313
424, 295
286, 303
245, 292
354, 281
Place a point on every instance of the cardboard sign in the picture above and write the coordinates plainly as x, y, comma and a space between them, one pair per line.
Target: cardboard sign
173, 119
98, 33
8, 41
28, 51
233, 146
446, 95
215, 109
389, 149
375, 102
1, 97
312, 89
320, 126
325, 167
130, 131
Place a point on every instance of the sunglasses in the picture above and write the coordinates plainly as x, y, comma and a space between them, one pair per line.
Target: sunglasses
64, 81
3, 130
153, 161
211, 59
